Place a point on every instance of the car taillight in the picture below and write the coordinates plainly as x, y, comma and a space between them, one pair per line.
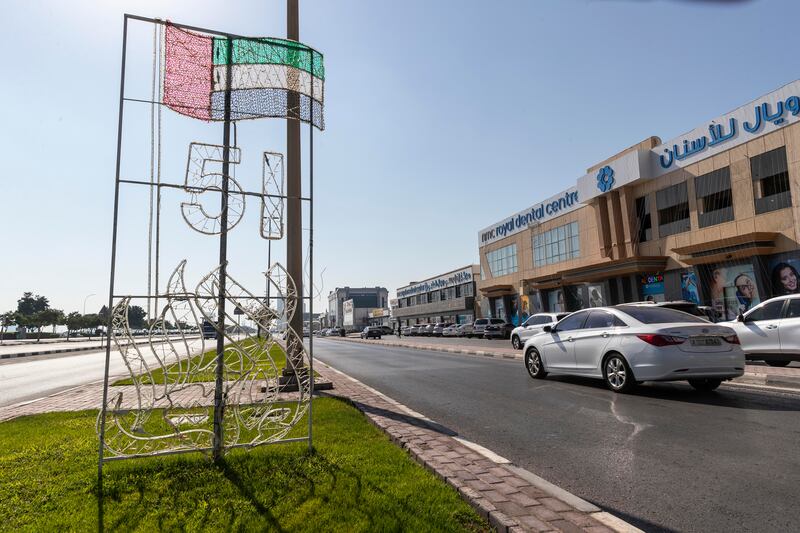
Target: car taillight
661, 340
732, 339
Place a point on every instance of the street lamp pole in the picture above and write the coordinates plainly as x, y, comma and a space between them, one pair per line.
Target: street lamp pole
84, 302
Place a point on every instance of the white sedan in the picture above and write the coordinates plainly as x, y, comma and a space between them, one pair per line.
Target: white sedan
771, 330
533, 326
626, 344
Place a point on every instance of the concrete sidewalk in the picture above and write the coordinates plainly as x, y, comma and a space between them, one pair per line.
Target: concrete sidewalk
755, 374
509, 497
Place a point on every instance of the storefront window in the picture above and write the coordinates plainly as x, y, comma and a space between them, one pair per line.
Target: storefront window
770, 181
643, 219
502, 261
733, 289
714, 198
556, 245
673, 210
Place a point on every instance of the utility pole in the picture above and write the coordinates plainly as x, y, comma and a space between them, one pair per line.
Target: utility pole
294, 210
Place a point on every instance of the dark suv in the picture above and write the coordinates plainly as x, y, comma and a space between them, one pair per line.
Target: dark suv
498, 328
372, 332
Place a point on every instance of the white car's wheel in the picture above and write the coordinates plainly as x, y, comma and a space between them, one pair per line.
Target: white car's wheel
516, 343
534, 365
617, 374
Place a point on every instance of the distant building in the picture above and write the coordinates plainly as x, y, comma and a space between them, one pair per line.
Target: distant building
364, 299
449, 297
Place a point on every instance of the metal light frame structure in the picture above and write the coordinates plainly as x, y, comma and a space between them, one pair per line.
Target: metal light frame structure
208, 300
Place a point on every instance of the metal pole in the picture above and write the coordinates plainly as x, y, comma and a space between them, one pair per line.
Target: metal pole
311, 259
294, 210
219, 398
113, 258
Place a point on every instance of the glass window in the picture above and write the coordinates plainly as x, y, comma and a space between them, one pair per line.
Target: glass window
658, 315
644, 223
573, 321
673, 210
770, 181
768, 311
556, 245
502, 261
714, 198
793, 309
458, 291
602, 319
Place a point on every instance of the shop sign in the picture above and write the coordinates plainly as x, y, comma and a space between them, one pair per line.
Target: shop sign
442, 282
559, 204
762, 116
652, 287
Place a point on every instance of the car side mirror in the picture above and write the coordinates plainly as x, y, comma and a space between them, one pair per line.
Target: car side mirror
549, 329
740, 317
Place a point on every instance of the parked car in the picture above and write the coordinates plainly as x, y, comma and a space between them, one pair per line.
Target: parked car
770, 331
450, 331
405, 331
427, 331
438, 329
627, 344
413, 331
465, 330
371, 332
386, 330
497, 328
532, 326
478, 326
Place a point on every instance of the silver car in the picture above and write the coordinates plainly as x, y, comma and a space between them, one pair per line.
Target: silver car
450, 331
627, 344
533, 326
465, 330
771, 330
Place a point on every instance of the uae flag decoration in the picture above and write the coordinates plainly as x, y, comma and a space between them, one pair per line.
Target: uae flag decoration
269, 77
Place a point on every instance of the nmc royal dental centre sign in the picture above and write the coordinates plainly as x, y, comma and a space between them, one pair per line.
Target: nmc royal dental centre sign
557, 205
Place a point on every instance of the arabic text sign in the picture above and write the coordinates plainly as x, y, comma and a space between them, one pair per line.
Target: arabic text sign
757, 118
448, 280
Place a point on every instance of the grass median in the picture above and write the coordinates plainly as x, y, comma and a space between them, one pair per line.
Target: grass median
205, 361
356, 480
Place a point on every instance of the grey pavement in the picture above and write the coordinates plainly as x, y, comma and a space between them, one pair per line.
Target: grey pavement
665, 458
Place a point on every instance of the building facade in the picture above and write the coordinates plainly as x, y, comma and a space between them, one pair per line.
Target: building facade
711, 216
450, 297
363, 298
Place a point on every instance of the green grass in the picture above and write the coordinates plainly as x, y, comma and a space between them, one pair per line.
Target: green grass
205, 359
356, 480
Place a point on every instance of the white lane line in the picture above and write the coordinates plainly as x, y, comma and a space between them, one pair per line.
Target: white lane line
489, 454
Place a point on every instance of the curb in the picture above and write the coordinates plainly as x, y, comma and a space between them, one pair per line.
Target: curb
496, 518
60, 350
749, 378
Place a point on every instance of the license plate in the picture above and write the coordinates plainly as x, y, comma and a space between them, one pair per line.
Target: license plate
705, 341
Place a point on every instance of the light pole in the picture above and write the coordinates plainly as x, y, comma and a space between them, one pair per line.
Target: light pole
84, 302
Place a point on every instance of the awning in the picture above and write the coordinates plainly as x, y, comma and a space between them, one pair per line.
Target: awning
737, 247
498, 290
600, 271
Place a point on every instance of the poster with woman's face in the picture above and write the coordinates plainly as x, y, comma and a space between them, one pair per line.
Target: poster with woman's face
784, 276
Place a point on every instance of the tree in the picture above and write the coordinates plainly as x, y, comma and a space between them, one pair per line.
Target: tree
74, 322
90, 322
45, 317
29, 304
103, 315
6, 319
136, 317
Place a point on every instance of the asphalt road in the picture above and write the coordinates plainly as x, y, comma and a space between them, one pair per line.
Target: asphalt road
665, 458
41, 375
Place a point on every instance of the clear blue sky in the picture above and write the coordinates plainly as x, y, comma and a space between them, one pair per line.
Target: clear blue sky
442, 118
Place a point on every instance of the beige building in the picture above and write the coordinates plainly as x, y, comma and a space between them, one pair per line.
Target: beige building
712, 216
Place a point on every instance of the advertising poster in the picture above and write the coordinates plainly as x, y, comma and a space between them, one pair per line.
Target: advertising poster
513, 311
733, 290
784, 277
596, 296
652, 286
525, 305
689, 290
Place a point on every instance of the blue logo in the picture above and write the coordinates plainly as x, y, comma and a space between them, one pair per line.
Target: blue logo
605, 179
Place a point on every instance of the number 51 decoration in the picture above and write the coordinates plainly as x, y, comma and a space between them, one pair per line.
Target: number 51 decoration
178, 399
